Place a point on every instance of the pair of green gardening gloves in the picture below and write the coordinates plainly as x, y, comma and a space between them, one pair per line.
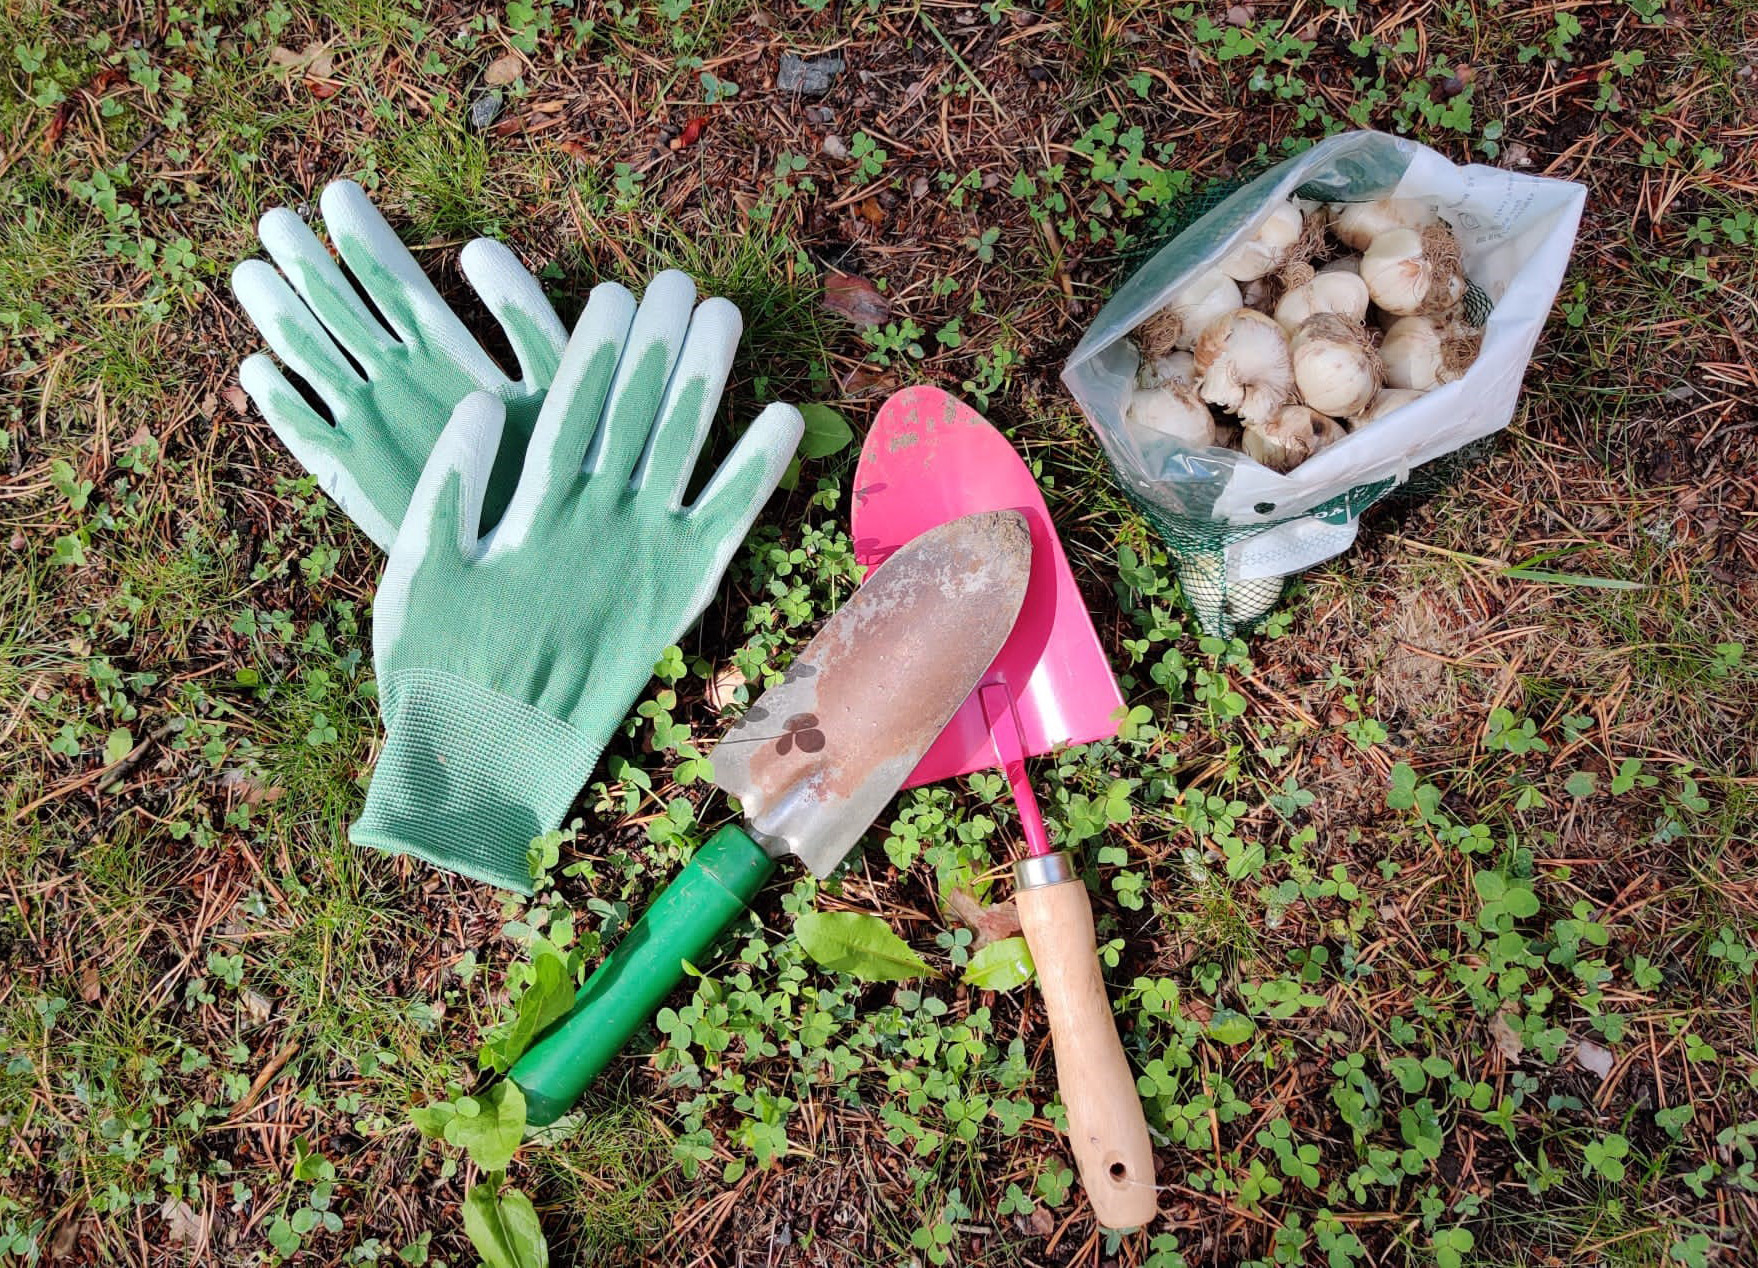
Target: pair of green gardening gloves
541, 555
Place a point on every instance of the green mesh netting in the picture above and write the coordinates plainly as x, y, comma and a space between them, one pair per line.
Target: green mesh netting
1199, 544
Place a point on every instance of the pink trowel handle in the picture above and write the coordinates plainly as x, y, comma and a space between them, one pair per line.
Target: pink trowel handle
1009, 746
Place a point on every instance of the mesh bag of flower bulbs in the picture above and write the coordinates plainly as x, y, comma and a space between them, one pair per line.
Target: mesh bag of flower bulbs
1350, 317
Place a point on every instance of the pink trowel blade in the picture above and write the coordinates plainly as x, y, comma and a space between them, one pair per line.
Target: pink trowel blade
930, 458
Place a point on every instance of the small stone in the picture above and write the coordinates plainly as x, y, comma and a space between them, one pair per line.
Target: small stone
1594, 1058
808, 76
834, 146
485, 110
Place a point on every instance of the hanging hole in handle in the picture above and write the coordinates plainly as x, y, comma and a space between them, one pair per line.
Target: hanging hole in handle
1119, 1171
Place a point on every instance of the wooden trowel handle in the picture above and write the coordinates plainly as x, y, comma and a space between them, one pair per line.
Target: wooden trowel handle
1106, 1128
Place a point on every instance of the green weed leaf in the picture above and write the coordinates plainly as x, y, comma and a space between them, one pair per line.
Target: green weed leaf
488, 1128
504, 1228
548, 996
827, 432
860, 945
1001, 966
1227, 1026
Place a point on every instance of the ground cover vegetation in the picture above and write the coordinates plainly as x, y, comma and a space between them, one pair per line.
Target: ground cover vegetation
1428, 914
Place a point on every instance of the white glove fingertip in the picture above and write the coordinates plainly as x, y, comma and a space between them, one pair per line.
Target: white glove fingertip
779, 428
518, 303
256, 285
282, 232
446, 507
750, 473
716, 329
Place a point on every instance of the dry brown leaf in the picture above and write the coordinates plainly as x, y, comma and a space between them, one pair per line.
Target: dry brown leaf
722, 686
1508, 1041
66, 1239
504, 70
990, 924
182, 1224
256, 1005
314, 60
237, 398
91, 986
848, 295
251, 789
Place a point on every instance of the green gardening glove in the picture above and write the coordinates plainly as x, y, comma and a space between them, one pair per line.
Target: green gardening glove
506, 661
388, 368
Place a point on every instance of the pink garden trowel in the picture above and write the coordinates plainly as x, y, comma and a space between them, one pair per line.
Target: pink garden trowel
930, 458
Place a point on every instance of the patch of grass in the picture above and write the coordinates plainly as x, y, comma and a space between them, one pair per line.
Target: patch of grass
608, 1175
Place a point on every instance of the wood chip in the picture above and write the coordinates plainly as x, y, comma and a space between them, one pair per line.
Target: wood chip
990, 924
1508, 1041
504, 70
722, 686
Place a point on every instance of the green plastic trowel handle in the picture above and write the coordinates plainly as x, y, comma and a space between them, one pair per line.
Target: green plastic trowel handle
634, 979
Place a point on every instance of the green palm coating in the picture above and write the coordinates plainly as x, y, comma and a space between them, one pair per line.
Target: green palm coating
506, 660
388, 373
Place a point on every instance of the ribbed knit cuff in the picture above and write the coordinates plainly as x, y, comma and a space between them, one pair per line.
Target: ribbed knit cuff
468, 776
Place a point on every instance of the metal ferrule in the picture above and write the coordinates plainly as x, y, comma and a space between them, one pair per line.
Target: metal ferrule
1035, 872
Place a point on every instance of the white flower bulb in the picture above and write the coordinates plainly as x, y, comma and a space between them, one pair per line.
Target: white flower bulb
1188, 313
1294, 434
1174, 367
1414, 271
1331, 291
1174, 411
1357, 224
1268, 248
1242, 364
1335, 369
1419, 353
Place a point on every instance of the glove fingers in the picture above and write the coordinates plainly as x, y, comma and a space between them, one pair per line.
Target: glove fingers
648, 357
395, 283
573, 409
313, 272
295, 335
440, 525
733, 498
520, 306
691, 399
318, 445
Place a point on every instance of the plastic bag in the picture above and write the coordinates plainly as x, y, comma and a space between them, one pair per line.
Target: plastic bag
1237, 528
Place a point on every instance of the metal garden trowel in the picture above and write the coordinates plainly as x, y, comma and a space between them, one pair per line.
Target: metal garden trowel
813, 762
930, 458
